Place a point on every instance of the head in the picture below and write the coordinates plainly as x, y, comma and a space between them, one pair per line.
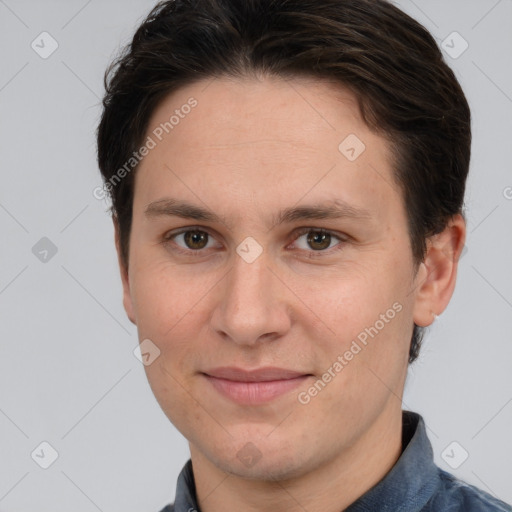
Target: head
244, 110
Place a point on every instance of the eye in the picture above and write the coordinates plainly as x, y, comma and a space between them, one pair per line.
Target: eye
189, 241
317, 240
194, 241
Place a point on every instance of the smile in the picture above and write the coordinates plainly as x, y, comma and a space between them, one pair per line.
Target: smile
253, 392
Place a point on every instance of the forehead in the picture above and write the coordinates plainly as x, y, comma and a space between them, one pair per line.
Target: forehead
265, 141
265, 109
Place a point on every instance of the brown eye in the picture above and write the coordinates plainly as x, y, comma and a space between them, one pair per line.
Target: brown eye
196, 239
190, 242
319, 240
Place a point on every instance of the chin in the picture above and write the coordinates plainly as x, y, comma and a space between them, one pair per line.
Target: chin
256, 457
269, 467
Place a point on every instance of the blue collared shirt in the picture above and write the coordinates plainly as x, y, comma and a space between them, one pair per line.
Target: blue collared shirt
414, 484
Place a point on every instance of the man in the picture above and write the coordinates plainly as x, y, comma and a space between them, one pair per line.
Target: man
287, 182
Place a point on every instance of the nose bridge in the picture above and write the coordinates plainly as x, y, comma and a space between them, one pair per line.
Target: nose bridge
249, 307
249, 292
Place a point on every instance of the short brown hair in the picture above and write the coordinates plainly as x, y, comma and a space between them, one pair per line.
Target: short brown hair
405, 90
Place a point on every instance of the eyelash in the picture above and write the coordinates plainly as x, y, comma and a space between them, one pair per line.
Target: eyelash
298, 233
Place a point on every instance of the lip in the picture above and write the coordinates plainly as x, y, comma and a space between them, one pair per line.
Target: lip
252, 387
268, 373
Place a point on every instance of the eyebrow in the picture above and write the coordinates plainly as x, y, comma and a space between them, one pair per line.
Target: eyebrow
329, 209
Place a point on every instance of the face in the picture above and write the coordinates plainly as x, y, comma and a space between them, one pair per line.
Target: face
268, 232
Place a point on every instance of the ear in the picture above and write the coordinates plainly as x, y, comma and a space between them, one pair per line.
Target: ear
436, 277
127, 298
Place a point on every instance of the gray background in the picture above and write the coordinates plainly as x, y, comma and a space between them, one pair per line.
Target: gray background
68, 375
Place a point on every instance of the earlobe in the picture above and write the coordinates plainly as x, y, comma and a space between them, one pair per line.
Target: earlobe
434, 286
123, 268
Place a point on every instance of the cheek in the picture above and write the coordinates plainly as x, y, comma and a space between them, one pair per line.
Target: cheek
165, 296
346, 300
172, 394
172, 309
361, 315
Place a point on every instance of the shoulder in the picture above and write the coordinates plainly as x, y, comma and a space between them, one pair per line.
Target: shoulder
454, 495
168, 508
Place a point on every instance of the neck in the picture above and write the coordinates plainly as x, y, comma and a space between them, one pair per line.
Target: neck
330, 487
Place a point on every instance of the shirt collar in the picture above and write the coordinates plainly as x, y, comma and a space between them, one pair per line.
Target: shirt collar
185, 500
406, 488
412, 480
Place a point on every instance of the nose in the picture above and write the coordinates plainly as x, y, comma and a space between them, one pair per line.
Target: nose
252, 305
